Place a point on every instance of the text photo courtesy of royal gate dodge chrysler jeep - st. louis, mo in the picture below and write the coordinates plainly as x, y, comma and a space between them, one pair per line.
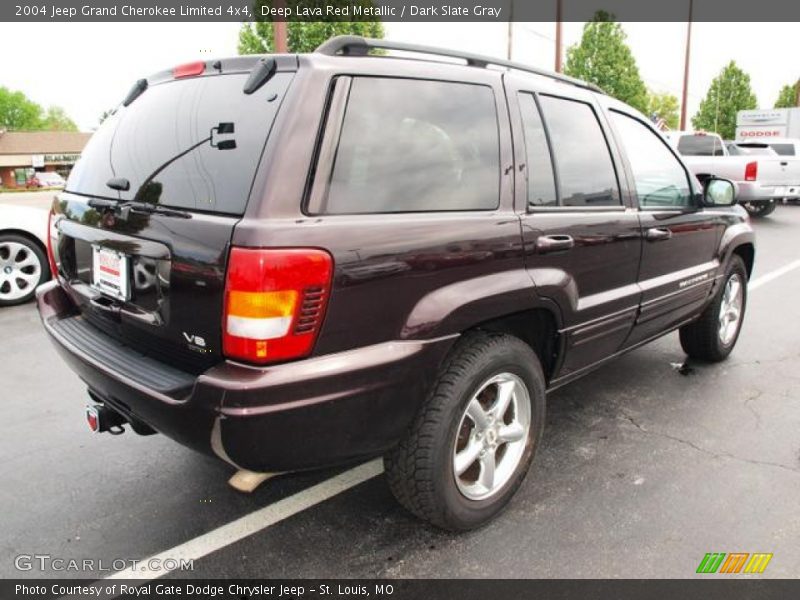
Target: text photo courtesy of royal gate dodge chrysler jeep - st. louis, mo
392, 299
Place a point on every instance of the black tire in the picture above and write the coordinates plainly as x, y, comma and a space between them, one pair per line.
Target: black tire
760, 209
11, 298
420, 469
701, 339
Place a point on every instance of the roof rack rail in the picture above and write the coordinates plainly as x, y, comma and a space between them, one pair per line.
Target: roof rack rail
354, 45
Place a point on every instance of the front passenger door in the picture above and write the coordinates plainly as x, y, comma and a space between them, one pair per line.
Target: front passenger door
678, 238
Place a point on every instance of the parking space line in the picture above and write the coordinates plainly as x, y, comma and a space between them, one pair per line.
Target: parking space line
254, 522
779, 272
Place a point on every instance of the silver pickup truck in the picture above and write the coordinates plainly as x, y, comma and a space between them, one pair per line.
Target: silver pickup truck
763, 176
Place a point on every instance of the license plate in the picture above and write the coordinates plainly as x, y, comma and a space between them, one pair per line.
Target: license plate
780, 191
110, 272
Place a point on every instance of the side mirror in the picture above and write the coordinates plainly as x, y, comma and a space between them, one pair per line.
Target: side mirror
719, 192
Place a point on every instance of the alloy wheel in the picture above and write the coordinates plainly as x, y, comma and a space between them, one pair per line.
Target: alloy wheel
492, 436
20, 270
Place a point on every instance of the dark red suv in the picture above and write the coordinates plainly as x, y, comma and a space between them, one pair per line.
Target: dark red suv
295, 261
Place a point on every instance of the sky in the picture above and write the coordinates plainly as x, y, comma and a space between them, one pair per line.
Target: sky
87, 68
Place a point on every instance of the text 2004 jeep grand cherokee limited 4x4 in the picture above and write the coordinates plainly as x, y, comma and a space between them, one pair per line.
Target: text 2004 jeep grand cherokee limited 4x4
299, 260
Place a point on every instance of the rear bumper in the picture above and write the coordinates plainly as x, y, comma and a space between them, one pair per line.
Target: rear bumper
753, 191
316, 412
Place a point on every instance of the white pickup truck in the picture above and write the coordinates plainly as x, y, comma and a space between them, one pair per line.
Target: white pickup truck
763, 177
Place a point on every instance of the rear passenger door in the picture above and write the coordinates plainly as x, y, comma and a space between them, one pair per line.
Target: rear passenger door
581, 236
679, 236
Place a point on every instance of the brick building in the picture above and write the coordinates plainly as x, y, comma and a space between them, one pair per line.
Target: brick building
22, 152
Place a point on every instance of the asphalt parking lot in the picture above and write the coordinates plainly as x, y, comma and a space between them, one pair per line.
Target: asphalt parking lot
643, 469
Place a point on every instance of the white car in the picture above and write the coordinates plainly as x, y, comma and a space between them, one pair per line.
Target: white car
48, 179
23, 252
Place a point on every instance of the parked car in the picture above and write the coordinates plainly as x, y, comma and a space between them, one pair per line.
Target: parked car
45, 179
761, 180
23, 253
534, 227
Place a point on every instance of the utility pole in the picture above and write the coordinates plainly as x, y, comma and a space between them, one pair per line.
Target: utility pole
686, 67
279, 30
510, 29
558, 36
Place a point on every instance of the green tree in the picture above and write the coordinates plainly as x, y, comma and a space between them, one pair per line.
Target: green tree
787, 98
304, 36
18, 112
602, 57
729, 93
663, 106
56, 119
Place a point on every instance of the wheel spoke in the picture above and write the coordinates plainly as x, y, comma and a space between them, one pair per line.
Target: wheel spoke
467, 457
511, 433
29, 261
734, 291
486, 478
16, 291
477, 414
505, 392
19, 252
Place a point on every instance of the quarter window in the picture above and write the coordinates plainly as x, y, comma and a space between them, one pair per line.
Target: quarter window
413, 146
586, 174
660, 178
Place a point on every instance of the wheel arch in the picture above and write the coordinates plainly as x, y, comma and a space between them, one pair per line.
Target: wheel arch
27, 235
538, 328
747, 252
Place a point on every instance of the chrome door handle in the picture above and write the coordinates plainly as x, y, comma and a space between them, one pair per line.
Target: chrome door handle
656, 234
554, 243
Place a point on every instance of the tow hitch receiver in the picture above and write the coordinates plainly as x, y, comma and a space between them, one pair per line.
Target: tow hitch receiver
101, 418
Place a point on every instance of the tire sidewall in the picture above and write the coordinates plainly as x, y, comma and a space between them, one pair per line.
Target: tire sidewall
463, 513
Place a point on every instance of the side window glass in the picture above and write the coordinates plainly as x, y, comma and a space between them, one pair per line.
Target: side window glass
410, 145
660, 179
586, 175
539, 165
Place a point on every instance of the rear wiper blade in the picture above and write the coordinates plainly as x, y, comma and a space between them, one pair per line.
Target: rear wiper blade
122, 208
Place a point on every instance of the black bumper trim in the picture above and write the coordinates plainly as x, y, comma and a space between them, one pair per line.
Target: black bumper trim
119, 358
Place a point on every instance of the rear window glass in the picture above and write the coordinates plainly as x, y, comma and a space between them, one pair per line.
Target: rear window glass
541, 181
700, 145
783, 149
414, 146
586, 175
160, 144
750, 150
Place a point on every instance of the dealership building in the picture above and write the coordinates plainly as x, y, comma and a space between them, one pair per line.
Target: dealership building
23, 152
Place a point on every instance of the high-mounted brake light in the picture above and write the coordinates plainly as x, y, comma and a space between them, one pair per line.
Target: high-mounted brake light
751, 171
52, 238
189, 69
274, 302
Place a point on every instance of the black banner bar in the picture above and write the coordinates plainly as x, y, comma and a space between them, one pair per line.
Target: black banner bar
714, 588
395, 10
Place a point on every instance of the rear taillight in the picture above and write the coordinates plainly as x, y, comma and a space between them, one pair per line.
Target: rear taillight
189, 69
751, 171
274, 302
52, 239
